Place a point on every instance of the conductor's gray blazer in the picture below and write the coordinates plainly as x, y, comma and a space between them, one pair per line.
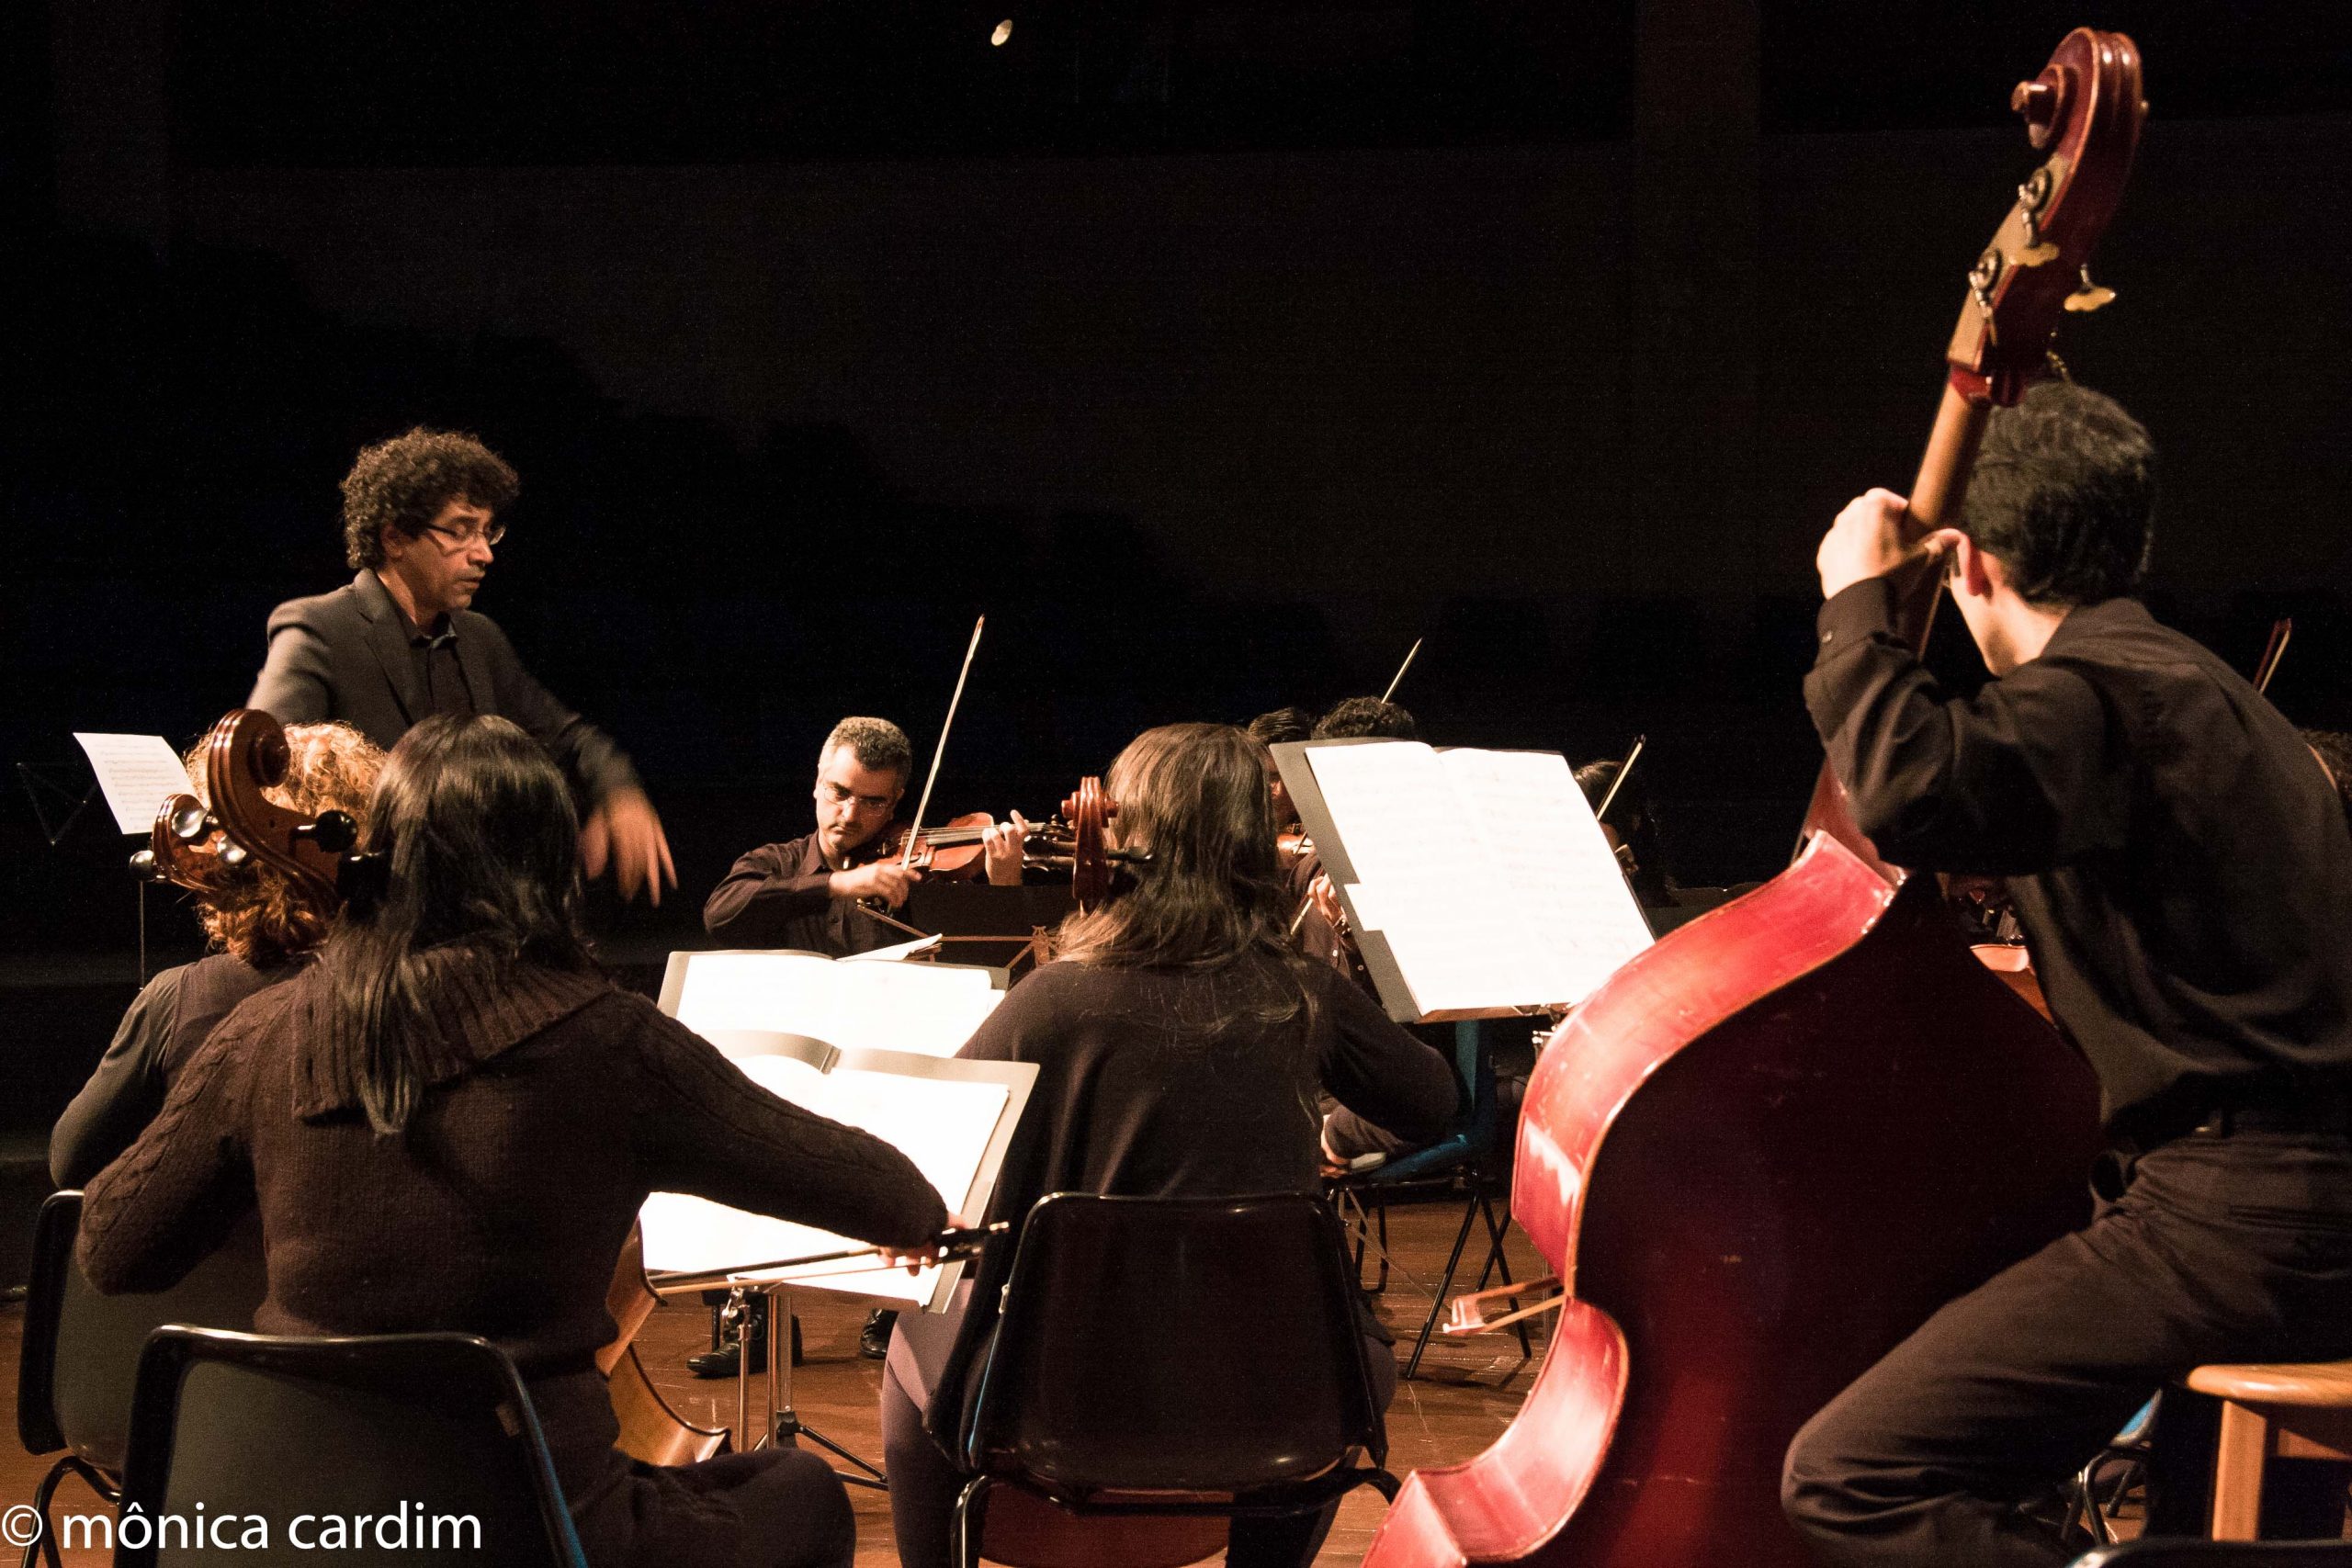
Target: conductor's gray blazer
345, 656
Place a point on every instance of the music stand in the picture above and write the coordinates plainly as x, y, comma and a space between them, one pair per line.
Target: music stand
978, 923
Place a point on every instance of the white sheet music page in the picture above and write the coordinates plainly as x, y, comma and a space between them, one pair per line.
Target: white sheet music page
944, 1125
137, 772
1557, 873
927, 1008
1426, 879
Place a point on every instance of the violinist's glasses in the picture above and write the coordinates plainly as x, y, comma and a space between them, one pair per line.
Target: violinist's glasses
460, 539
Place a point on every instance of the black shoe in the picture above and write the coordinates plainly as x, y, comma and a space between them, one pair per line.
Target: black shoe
720, 1363
874, 1339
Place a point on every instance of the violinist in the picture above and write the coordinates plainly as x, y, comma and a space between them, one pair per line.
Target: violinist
260, 925
2182, 872
816, 894
1272, 729
402, 642
811, 893
1179, 1039
449, 1120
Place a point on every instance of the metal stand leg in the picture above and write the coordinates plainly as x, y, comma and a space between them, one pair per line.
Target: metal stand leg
783, 1424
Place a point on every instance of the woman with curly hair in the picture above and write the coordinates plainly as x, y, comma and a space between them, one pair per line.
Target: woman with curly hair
260, 925
1182, 1041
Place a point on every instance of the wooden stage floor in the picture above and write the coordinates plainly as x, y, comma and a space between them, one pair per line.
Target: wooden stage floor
1466, 1393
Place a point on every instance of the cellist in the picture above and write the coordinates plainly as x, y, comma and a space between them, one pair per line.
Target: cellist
2182, 871
260, 927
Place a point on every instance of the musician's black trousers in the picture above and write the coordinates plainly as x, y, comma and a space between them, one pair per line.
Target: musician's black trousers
2217, 1246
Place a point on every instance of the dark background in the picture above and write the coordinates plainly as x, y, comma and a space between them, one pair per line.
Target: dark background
1216, 351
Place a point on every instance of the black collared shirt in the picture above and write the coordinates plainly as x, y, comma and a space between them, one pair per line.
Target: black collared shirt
440, 677
781, 895
2182, 869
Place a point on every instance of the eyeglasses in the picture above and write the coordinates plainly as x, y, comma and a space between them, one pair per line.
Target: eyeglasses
463, 539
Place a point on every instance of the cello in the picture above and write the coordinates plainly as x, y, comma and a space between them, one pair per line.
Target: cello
1772, 1145
245, 756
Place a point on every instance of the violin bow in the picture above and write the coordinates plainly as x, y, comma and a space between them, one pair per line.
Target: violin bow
914, 829
2281, 630
1601, 812
950, 1245
1399, 679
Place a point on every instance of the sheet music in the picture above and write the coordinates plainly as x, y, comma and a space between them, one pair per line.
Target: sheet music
1484, 873
929, 1009
1553, 864
137, 772
1426, 880
952, 1119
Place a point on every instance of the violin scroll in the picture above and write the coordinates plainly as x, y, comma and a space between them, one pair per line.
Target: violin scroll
1088, 811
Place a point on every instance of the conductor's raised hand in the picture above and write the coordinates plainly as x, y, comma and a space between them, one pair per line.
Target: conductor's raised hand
1872, 538
1002, 846
886, 879
624, 829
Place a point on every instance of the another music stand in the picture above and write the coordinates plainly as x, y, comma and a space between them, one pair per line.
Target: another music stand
978, 923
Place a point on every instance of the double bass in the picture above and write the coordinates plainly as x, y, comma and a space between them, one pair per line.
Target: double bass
245, 756
1772, 1145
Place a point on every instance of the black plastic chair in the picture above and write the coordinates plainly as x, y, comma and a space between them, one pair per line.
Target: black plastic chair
2186, 1553
1464, 1164
80, 1355
1173, 1357
429, 1437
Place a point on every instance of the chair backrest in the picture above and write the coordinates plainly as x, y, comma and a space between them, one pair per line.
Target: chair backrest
408, 1448
1178, 1344
80, 1355
2182, 1554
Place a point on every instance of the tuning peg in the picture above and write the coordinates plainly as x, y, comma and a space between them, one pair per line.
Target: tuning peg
2090, 295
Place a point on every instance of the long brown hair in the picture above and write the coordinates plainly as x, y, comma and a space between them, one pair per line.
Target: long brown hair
261, 914
1213, 894
484, 854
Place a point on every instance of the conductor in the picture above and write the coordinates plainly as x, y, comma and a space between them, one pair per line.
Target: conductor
401, 642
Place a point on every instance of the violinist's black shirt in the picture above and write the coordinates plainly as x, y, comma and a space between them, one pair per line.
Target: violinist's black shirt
781, 895
2180, 865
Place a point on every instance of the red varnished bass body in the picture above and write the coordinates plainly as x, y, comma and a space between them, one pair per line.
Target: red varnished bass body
1760, 1156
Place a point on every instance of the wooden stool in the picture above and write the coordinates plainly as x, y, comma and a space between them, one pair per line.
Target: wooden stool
2271, 1412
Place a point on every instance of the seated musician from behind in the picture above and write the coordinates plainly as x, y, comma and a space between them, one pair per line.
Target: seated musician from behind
448, 1123
2182, 872
808, 893
261, 926
1181, 1040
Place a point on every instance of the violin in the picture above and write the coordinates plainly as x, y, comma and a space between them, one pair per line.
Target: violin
953, 850
245, 755
1771, 1145
1077, 841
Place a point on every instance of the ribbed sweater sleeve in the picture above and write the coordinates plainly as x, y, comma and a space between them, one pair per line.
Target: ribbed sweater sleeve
175, 1193
701, 1127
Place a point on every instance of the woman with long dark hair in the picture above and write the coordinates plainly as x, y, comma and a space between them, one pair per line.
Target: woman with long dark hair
450, 1121
1182, 1041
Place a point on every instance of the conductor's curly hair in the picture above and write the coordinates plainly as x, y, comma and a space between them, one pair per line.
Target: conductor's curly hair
403, 483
